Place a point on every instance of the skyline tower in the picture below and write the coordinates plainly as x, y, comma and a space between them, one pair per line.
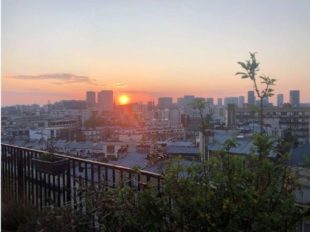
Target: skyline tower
251, 97
280, 99
241, 100
90, 98
105, 100
220, 102
295, 98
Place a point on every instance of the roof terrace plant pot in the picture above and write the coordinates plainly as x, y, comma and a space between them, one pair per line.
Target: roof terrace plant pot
50, 164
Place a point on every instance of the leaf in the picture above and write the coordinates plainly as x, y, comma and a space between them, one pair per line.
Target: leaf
243, 65
252, 54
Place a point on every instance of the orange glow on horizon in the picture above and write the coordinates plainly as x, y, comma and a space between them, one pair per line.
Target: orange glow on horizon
123, 99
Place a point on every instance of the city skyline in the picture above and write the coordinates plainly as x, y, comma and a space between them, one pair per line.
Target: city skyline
91, 99
60, 49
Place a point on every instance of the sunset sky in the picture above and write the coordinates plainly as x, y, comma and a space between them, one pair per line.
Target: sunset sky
59, 49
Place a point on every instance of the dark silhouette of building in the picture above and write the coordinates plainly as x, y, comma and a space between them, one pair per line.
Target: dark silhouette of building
90, 99
295, 98
105, 100
251, 97
280, 100
231, 115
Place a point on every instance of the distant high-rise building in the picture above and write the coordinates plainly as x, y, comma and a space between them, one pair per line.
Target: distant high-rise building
90, 99
210, 101
105, 100
231, 115
251, 97
295, 98
187, 101
164, 102
265, 101
231, 100
220, 102
240, 100
280, 99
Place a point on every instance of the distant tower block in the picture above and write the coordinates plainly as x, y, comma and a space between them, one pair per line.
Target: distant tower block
105, 100
90, 99
251, 98
220, 102
231, 115
295, 98
280, 100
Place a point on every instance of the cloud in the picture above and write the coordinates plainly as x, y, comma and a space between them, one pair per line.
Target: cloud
119, 85
61, 78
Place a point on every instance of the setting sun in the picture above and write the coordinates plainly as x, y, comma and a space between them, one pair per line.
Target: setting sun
123, 99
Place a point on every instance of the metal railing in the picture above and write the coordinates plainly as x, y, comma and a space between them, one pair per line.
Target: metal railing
23, 180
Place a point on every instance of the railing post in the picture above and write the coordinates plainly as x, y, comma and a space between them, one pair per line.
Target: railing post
20, 176
69, 181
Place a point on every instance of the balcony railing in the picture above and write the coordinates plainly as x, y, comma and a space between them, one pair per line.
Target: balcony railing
22, 180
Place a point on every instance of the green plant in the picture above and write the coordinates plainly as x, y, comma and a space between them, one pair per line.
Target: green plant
16, 214
48, 157
50, 163
251, 68
227, 193
200, 105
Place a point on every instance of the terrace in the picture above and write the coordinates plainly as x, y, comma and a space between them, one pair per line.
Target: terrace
23, 180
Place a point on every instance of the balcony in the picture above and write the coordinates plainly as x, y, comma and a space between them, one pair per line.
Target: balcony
22, 180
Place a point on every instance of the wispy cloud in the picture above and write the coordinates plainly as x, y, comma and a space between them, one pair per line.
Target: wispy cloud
119, 85
61, 78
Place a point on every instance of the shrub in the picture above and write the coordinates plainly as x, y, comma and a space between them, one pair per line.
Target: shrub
16, 214
226, 193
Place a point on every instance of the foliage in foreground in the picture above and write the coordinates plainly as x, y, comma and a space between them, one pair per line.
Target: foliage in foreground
227, 193
16, 214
